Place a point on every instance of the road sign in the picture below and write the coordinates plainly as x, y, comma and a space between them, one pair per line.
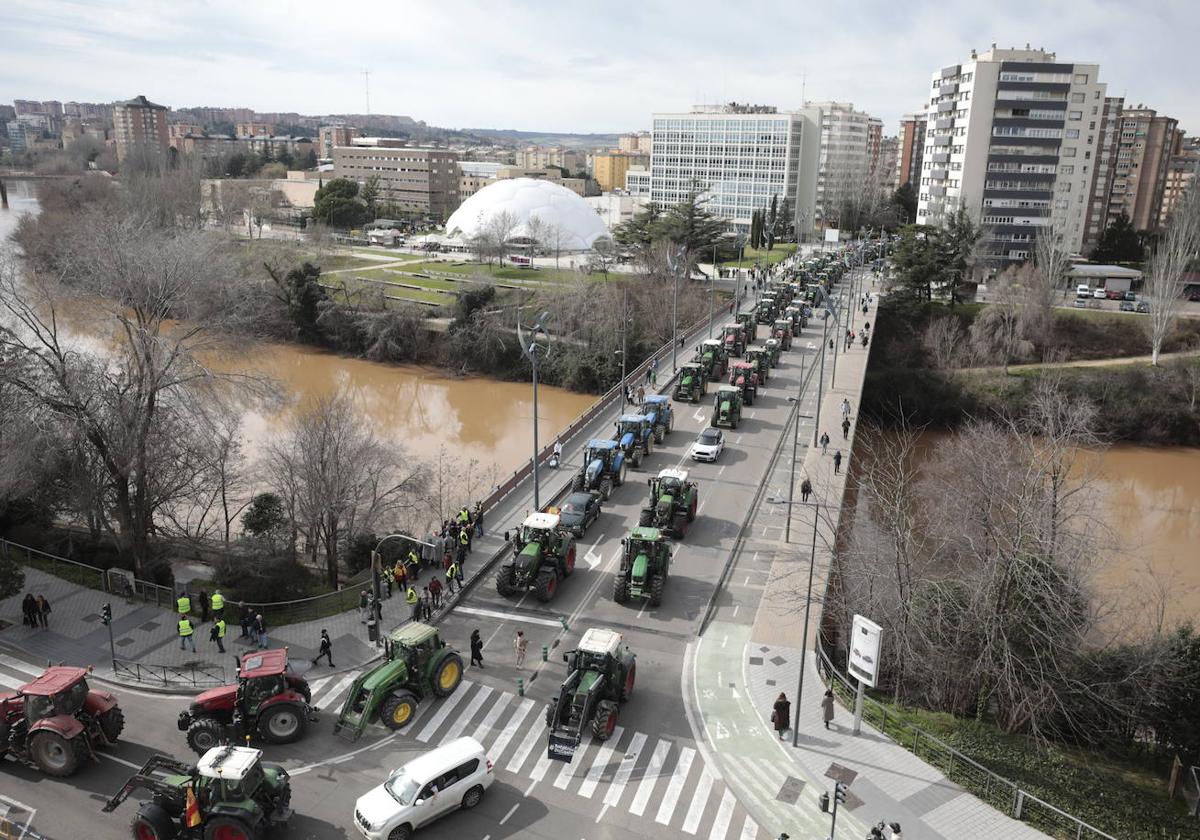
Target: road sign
865, 638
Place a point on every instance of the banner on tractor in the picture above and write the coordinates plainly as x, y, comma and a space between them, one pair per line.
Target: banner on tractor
561, 747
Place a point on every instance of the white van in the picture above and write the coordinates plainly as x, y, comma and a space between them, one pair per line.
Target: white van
453, 776
1082, 292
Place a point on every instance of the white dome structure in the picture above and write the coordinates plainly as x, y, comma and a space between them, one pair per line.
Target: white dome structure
525, 199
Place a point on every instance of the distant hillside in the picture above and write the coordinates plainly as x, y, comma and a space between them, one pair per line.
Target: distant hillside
543, 138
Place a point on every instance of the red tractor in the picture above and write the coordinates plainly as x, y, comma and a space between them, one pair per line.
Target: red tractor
745, 377
56, 721
267, 701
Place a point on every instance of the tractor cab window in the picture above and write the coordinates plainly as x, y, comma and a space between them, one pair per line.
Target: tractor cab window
37, 707
71, 700
263, 688
244, 789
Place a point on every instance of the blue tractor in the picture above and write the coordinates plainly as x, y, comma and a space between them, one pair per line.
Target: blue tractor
635, 436
662, 418
603, 468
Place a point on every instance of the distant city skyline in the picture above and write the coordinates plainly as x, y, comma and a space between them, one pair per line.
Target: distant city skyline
537, 67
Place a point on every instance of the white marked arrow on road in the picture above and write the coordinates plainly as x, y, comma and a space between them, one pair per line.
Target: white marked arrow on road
592, 558
698, 416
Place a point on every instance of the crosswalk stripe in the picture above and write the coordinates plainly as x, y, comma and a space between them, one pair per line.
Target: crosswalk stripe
464, 719
699, 800
522, 753
745, 769
447, 707
617, 787
11, 682
23, 667
335, 692
572, 770
667, 807
724, 815
315, 687
749, 828
493, 715
650, 778
599, 763
510, 729
539, 769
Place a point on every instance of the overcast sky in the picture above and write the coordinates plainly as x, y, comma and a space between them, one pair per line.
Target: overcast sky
569, 66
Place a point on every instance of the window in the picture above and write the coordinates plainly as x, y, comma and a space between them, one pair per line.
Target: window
1069, 152
1072, 133
1066, 170
1081, 78
1078, 97
1075, 115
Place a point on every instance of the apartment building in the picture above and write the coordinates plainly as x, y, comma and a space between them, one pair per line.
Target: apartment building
1102, 174
141, 125
330, 136
911, 149
422, 179
535, 157
273, 147
1143, 157
1012, 137
638, 142
1181, 174
739, 156
474, 175
850, 144
254, 129
637, 181
609, 168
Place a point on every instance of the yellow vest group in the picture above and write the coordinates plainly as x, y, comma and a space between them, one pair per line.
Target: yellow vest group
185, 627
184, 604
218, 602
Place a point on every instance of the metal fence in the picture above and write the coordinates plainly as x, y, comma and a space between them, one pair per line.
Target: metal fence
1002, 794
116, 582
198, 675
279, 613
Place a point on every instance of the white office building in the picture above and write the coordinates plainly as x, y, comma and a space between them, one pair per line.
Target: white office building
740, 156
1013, 137
849, 149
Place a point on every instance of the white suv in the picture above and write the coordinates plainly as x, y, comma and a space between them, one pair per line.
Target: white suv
442, 780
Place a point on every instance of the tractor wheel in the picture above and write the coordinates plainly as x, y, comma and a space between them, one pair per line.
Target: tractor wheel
577, 483
679, 525
282, 723
222, 827
398, 710
630, 678
472, 797
620, 589
656, 590
56, 755
569, 561
659, 434
504, 581
604, 722
448, 676
204, 734
304, 690
646, 517
649, 444
546, 586
670, 423
691, 514
152, 823
606, 486
636, 457
624, 472
112, 724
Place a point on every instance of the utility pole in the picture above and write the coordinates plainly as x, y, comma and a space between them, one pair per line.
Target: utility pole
812, 562
367, 82
533, 351
674, 265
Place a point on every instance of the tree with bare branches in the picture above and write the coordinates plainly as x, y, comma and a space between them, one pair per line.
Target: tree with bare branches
1164, 280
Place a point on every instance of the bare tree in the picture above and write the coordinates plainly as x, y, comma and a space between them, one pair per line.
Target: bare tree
943, 339
1164, 281
996, 332
557, 237
1045, 286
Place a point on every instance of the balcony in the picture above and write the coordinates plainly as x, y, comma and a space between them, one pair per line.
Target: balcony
943, 107
946, 90
942, 157
941, 141
938, 174
946, 123
939, 191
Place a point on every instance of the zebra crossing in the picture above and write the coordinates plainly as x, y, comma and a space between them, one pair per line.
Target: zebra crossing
648, 776
14, 673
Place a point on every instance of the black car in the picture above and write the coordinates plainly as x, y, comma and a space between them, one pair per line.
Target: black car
1143, 307
1126, 306
578, 512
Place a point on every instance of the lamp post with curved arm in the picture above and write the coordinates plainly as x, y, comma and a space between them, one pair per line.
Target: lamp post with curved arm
533, 350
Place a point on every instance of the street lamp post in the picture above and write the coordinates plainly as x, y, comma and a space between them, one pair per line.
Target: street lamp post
812, 562
674, 265
821, 375
532, 351
712, 292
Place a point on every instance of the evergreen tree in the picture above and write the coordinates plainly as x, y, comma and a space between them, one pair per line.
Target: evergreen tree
1119, 243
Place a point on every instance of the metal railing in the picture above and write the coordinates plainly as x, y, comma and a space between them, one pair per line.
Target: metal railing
197, 675
1191, 790
113, 581
1002, 794
279, 613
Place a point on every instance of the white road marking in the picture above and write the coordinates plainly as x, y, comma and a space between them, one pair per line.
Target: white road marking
510, 616
617, 788
739, 439
724, 814
511, 811
510, 729
650, 778
336, 691
671, 796
444, 712
523, 751
112, 757
539, 769
11, 682
593, 558
736, 607
23, 667
699, 800
493, 715
599, 763
463, 720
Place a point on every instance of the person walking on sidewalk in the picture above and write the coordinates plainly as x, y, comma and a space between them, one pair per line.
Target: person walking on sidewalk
414, 603
805, 490
203, 599
435, 592
845, 408
326, 649
426, 604
247, 621
260, 630
29, 611
185, 634
217, 634
218, 604
362, 607
183, 604
476, 648
781, 715
43, 612
453, 576
824, 441
477, 518
845, 428
520, 645
837, 462
827, 707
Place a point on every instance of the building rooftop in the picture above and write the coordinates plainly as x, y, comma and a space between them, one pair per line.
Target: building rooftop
140, 101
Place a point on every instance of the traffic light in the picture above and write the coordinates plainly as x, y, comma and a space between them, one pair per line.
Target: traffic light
824, 802
106, 614
839, 791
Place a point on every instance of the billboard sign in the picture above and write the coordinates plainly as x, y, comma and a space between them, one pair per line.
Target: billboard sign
832, 235
865, 644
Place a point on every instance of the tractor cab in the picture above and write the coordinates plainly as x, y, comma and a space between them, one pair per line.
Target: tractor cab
749, 327
757, 358
783, 332
669, 482
642, 540
744, 376
540, 528
691, 382
727, 409
230, 774
638, 425
764, 313
599, 650
261, 676
772, 347
601, 451
734, 339
714, 346
62, 690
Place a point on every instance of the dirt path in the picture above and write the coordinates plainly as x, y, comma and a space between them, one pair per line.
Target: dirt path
1121, 360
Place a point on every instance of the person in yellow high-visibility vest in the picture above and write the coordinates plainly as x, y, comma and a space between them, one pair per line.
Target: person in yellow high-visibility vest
218, 604
413, 601
183, 604
454, 575
185, 634
217, 634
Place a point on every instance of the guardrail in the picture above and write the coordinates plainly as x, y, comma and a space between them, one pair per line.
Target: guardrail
197, 675
1002, 794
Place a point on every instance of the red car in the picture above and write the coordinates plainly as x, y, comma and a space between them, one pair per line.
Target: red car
1113, 294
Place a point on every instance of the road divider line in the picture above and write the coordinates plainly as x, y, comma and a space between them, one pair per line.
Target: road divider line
444, 712
599, 763
508, 616
650, 777
510, 729
678, 778
511, 811
119, 760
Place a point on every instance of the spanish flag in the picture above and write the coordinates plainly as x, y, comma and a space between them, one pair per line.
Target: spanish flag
191, 810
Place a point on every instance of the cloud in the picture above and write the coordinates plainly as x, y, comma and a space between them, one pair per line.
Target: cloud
552, 66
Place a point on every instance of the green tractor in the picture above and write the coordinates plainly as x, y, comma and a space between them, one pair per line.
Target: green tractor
691, 384
720, 356
416, 663
773, 350
749, 327
231, 794
645, 564
546, 556
727, 410
673, 503
760, 360
600, 676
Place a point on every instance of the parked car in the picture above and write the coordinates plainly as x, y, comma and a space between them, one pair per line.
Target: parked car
1129, 296
709, 445
579, 511
1099, 294
1126, 306
1082, 292
1113, 294
452, 776
1080, 304
1143, 307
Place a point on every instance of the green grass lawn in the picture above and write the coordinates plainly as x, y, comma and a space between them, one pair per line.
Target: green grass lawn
470, 269
388, 275
336, 262
354, 290
761, 255
386, 252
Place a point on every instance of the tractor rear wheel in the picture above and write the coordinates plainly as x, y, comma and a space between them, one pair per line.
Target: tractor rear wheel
152, 822
56, 755
646, 517
630, 678
447, 676
222, 827
691, 514
606, 486
546, 586
620, 589
679, 525
649, 444
604, 722
577, 483
504, 581
656, 590
282, 723
112, 724
398, 710
659, 434
204, 734
568, 565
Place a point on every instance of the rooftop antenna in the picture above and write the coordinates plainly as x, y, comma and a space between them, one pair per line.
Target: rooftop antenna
367, 81
803, 87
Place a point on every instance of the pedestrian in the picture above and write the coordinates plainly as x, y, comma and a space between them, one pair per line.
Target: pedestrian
217, 634
864, 309
454, 575
426, 604
203, 599
414, 603
654, 377
435, 592
831, 344
827, 707
476, 649
520, 644
218, 604
845, 428
29, 611
805, 490
183, 604
479, 519
867, 326
325, 649
413, 565
247, 621
260, 630
363, 601
837, 462
641, 395
681, 339
845, 407
43, 612
824, 441
864, 339
388, 578
185, 634
781, 715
